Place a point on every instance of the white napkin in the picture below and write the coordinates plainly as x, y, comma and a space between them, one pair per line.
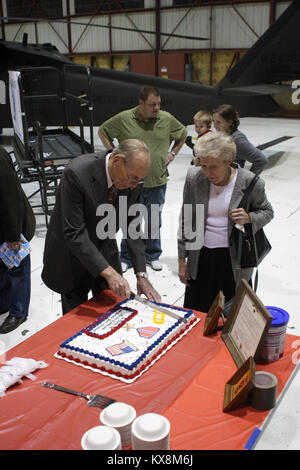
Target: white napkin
16, 368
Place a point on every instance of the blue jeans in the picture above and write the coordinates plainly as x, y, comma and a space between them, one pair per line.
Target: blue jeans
15, 288
153, 250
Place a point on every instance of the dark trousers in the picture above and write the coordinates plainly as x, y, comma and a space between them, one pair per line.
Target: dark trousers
79, 294
15, 286
214, 274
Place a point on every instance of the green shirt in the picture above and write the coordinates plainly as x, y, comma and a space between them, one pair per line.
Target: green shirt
157, 133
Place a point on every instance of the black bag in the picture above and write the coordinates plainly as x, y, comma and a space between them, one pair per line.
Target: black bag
252, 247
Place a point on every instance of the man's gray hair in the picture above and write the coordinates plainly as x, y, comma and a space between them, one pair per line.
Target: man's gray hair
128, 148
215, 144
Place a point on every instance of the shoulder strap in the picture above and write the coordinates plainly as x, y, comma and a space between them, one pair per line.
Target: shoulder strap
248, 191
243, 203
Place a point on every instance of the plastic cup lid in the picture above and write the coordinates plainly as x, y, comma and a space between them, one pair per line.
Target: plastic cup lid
280, 316
117, 414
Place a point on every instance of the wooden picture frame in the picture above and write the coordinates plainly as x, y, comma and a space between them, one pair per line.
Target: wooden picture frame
213, 315
239, 386
247, 325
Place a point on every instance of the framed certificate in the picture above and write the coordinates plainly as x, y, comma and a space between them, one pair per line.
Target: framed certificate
247, 325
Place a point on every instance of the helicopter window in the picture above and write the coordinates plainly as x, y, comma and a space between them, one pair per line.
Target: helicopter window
190, 2
37, 9
90, 6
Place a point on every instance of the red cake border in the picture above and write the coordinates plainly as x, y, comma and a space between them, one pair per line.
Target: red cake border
105, 335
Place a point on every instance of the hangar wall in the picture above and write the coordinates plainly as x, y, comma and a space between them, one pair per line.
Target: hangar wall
227, 30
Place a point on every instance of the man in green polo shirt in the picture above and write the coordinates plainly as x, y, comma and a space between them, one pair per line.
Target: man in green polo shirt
158, 129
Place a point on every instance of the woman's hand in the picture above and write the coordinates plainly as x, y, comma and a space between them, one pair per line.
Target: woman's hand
183, 271
240, 216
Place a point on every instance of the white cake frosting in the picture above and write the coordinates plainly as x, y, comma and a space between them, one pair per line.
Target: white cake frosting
126, 339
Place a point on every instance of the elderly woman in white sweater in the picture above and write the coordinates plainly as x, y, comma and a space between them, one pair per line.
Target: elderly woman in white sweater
217, 186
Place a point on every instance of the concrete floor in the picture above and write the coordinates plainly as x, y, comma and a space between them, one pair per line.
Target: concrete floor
279, 274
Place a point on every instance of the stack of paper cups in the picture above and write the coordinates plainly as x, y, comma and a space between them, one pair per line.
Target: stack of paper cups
120, 416
151, 431
101, 438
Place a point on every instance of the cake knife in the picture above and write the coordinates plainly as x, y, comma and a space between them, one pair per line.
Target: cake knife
157, 307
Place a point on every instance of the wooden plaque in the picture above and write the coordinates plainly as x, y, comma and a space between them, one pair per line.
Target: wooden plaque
215, 311
246, 327
239, 386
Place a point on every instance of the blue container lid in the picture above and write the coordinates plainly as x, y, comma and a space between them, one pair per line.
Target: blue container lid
280, 316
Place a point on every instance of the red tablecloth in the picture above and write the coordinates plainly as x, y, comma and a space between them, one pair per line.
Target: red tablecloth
186, 385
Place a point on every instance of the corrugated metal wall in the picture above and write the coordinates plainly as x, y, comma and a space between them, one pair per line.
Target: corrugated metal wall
193, 22
224, 25
124, 40
229, 28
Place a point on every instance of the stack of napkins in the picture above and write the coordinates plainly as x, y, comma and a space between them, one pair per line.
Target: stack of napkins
12, 258
18, 367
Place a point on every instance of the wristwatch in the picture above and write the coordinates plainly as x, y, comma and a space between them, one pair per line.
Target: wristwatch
173, 153
144, 275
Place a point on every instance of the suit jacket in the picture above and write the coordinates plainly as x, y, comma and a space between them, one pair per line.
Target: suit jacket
73, 249
196, 191
16, 215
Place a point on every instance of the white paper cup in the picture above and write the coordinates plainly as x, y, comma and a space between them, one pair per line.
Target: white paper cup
151, 431
101, 438
120, 416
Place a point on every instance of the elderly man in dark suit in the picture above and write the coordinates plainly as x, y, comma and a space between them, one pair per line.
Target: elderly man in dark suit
79, 254
16, 218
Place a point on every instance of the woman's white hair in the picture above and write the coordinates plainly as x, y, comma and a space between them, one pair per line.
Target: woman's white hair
215, 144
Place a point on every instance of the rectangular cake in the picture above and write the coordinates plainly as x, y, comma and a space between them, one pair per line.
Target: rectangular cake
127, 339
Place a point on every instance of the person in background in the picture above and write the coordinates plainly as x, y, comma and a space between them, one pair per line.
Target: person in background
81, 252
158, 129
226, 119
16, 218
203, 123
218, 185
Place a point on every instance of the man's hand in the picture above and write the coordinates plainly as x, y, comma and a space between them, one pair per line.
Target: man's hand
116, 282
145, 287
170, 158
14, 245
